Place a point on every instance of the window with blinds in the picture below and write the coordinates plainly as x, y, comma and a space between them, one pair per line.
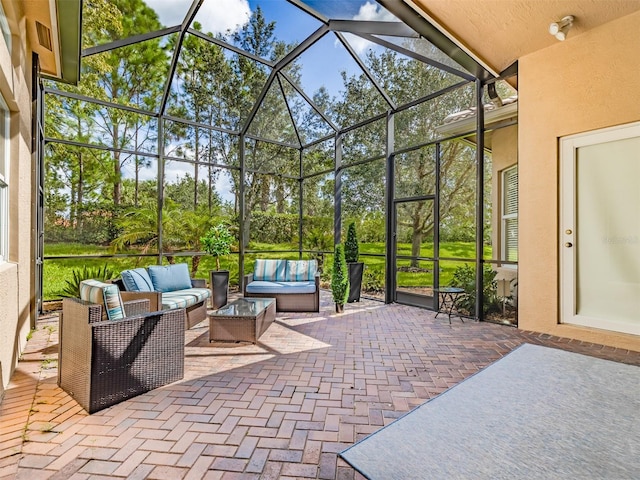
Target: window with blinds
510, 214
4, 28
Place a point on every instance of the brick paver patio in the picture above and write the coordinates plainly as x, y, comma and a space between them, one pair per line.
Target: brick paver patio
284, 408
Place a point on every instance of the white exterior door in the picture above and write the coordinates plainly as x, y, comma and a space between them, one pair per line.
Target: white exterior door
600, 229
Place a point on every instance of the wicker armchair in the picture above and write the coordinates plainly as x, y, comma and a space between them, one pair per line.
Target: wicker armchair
102, 363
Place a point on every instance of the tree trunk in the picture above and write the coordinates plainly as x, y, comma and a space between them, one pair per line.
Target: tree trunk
195, 264
195, 171
137, 167
117, 170
416, 243
80, 194
264, 195
210, 158
279, 197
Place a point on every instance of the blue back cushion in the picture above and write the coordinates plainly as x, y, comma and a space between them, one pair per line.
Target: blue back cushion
137, 280
300, 270
167, 278
269, 270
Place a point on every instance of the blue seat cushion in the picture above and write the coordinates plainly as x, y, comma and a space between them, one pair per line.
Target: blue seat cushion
137, 280
169, 278
281, 287
184, 298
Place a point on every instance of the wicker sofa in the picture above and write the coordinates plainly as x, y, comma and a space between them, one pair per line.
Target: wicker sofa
103, 362
295, 284
167, 287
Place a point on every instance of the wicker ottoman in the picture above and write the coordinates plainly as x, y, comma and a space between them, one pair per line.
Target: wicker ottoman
243, 320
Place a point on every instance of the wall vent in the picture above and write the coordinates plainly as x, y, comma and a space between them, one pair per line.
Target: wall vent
44, 36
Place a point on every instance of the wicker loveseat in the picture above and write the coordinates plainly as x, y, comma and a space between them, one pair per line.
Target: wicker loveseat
295, 284
167, 287
104, 361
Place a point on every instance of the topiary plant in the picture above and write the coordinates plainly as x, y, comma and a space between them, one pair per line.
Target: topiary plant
72, 286
217, 242
351, 247
339, 278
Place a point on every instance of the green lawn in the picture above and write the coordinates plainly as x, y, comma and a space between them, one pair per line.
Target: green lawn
56, 272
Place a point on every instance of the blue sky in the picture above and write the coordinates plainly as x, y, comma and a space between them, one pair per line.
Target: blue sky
321, 65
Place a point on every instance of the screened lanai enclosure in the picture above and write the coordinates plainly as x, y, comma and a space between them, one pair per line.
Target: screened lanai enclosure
286, 121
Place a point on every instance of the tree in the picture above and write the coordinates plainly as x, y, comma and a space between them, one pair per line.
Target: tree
131, 76
272, 122
414, 172
217, 242
201, 73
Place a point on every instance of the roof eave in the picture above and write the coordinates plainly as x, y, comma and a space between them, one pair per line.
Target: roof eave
69, 16
468, 124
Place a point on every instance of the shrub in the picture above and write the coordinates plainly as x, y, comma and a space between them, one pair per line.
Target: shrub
351, 248
373, 280
339, 277
372, 227
72, 286
318, 240
267, 227
465, 277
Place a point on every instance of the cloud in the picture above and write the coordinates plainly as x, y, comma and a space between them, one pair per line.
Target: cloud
374, 12
368, 12
216, 16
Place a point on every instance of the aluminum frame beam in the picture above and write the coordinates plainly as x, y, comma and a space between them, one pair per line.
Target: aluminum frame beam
193, 10
416, 56
228, 46
389, 29
408, 15
366, 71
310, 11
104, 103
125, 42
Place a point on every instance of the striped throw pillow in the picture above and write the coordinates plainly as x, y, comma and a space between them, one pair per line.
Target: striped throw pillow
105, 294
269, 270
301, 270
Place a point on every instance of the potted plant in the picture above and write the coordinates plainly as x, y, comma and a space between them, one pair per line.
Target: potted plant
352, 253
217, 242
339, 279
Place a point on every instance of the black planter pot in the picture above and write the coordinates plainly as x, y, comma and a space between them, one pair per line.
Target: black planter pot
355, 281
219, 281
339, 307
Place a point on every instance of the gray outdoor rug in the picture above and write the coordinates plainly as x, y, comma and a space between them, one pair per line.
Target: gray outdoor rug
537, 413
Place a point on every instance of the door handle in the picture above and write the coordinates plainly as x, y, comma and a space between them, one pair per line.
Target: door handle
568, 244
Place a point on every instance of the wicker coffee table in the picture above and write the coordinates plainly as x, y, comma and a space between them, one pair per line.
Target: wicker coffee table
243, 320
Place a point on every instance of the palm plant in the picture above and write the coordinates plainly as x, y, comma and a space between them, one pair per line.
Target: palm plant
72, 285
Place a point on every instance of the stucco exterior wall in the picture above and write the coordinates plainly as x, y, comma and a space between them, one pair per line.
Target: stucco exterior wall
16, 275
587, 82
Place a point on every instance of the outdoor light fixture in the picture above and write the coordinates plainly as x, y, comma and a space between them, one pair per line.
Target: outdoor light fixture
561, 28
